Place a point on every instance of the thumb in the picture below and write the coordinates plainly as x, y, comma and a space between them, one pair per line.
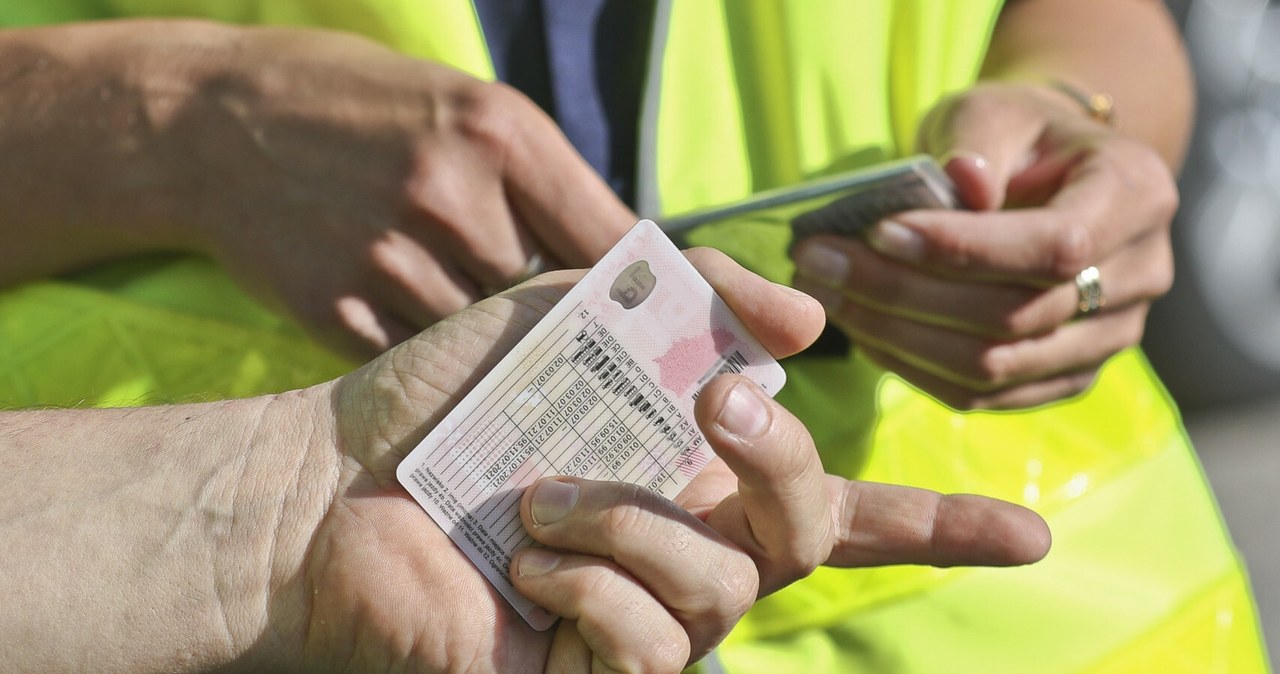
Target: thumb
779, 514
983, 142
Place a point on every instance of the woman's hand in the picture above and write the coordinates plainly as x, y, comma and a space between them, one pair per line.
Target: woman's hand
369, 194
981, 308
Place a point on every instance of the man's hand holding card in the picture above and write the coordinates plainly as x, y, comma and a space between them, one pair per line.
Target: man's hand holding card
639, 581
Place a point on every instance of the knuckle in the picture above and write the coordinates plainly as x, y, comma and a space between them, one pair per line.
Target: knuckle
791, 469
1163, 276
739, 585
627, 515
1165, 197
489, 115
496, 267
663, 651
1154, 178
800, 561
667, 657
1071, 249
431, 194
592, 582
1143, 178
1163, 282
1131, 332
679, 541
388, 258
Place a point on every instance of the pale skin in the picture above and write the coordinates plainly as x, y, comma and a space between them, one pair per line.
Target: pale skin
269, 534
980, 308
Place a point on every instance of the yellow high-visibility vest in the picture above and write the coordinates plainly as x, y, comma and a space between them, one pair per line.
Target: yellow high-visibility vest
743, 96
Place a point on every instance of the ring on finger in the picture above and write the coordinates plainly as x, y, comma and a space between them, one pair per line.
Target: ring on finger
536, 264
1089, 284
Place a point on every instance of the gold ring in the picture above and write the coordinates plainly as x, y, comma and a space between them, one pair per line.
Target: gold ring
1089, 283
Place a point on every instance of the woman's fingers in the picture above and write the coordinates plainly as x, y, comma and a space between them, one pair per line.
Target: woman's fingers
835, 270
1078, 191
981, 366
984, 309
964, 397
993, 123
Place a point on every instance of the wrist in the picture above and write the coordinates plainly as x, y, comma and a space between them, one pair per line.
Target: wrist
1098, 106
96, 112
1061, 96
166, 533
289, 477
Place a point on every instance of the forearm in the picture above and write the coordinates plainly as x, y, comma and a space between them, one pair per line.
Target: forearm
89, 115
1129, 49
154, 539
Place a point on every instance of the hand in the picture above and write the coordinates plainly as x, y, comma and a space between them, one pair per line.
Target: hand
642, 583
368, 194
270, 533
980, 308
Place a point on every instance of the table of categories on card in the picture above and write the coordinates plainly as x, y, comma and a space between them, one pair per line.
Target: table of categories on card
582, 406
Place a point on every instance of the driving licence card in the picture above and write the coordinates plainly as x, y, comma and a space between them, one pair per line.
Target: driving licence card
602, 388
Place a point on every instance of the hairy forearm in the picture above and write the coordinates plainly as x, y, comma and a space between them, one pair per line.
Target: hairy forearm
154, 539
1129, 49
89, 114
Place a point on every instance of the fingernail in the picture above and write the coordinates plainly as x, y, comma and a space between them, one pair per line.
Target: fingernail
552, 501
822, 263
537, 561
896, 240
744, 413
970, 156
